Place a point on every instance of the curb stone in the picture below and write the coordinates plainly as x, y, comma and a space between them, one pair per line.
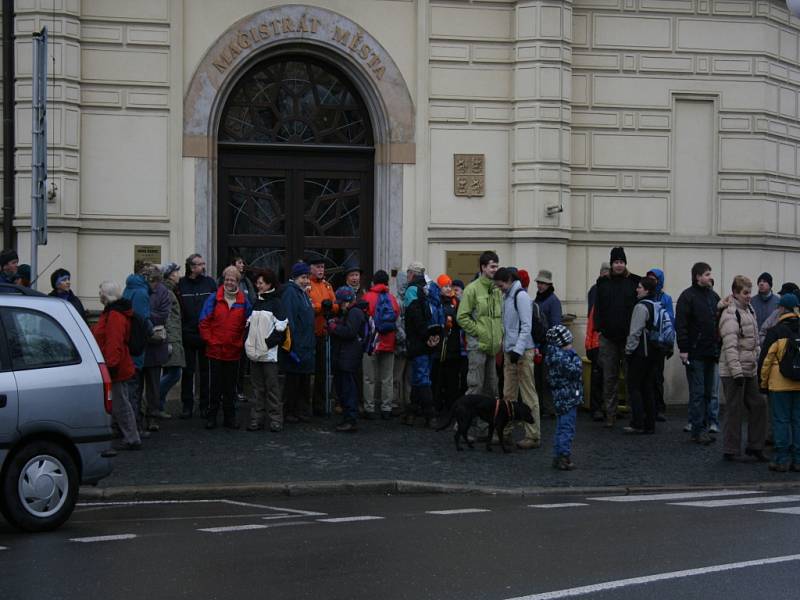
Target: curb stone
385, 487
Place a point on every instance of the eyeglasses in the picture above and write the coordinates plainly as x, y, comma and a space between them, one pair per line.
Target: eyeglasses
199, 264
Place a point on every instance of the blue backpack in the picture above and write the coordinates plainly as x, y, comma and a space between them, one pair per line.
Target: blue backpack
661, 332
385, 317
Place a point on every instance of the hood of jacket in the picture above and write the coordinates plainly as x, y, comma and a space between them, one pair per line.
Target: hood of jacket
413, 290
659, 278
122, 305
137, 282
379, 288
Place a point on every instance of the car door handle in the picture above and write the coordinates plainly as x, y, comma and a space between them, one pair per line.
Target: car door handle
3, 400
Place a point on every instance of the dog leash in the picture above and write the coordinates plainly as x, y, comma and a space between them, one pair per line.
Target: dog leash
509, 408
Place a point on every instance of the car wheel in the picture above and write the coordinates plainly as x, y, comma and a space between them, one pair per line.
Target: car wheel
40, 487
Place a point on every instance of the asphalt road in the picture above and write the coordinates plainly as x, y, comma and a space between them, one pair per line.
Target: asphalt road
729, 545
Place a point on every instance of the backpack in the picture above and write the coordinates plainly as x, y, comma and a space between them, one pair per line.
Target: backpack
385, 318
789, 365
538, 324
137, 342
661, 332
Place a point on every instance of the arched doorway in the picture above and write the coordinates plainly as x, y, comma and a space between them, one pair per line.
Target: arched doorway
295, 168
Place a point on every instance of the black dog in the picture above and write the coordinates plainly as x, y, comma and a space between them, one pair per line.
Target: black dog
496, 413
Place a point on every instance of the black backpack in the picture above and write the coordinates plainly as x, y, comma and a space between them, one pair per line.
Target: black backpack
137, 342
538, 321
789, 365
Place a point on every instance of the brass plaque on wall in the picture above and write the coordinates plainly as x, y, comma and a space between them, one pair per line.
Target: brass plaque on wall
469, 175
462, 264
146, 254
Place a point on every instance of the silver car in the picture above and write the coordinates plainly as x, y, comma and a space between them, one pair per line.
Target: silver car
55, 409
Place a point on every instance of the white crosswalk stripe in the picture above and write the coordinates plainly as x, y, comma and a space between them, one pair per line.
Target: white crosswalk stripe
674, 496
457, 511
738, 501
351, 519
792, 510
562, 505
104, 538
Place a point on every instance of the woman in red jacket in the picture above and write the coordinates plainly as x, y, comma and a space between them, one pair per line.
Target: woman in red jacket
112, 332
222, 324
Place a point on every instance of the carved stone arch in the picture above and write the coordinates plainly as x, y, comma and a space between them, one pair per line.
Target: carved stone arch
327, 35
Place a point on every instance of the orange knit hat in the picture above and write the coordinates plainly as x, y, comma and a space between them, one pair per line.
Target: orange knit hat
444, 280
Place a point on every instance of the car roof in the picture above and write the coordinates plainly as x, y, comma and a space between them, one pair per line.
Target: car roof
10, 288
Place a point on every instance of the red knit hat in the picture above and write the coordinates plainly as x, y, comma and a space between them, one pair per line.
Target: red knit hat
444, 280
524, 278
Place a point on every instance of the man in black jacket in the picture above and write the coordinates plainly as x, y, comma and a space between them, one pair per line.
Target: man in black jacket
616, 296
699, 347
194, 289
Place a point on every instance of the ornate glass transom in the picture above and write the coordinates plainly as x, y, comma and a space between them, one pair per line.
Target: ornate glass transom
295, 101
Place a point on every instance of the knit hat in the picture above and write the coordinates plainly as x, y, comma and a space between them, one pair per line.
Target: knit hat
6, 256
558, 335
298, 269
416, 267
789, 301
524, 278
444, 280
789, 288
352, 270
169, 269
58, 277
544, 277
24, 272
604, 266
765, 277
345, 294
458, 283
618, 253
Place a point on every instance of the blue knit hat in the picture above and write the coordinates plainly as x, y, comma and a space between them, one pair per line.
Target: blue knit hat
789, 301
560, 336
298, 269
345, 294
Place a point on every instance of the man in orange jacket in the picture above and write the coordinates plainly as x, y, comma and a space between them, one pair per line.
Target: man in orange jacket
323, 299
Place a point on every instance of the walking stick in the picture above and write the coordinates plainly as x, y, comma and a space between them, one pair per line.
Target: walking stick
327, 382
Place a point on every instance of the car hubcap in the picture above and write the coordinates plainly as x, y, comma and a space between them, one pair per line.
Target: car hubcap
43, 486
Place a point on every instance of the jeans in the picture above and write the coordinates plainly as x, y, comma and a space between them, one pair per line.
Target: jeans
196, 362
703, 387
169, 377
565, 432
347, 393
421, 371
135, 388
785, 426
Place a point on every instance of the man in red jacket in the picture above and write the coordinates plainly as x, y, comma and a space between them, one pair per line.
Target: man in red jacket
112, 332
379, 367
222, 324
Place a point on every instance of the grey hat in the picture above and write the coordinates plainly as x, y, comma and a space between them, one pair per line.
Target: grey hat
169, 269
604, 266
416, 267
544, 277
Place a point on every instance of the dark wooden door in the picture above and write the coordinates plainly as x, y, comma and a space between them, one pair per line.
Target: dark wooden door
280, 206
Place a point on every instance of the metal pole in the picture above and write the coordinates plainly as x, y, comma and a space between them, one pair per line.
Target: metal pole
39, 152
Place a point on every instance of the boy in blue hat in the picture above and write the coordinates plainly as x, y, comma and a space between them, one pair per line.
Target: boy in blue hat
347, 331
565, 377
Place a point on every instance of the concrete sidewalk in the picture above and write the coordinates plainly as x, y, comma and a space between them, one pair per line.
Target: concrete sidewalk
383, 455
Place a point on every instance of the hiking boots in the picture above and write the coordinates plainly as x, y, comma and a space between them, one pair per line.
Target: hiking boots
565, 463
703, 439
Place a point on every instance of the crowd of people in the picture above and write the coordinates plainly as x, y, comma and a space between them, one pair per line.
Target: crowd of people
409, 347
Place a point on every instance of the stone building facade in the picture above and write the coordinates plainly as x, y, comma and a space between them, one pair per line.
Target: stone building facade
668, 126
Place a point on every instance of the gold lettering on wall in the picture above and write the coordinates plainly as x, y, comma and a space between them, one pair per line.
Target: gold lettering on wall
352, 41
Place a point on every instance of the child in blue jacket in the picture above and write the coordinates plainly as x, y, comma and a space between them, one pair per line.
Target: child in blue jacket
565, 376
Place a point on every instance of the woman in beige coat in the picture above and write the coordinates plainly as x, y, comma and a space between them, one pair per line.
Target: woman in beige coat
738, 369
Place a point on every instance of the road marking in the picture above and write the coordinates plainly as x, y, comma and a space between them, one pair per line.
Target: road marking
674, 496
251, 527
349, 519
562, 505
621, 583
305, 513
104, 538
3, 548
740, 501
457, 511
295, 511
794, 510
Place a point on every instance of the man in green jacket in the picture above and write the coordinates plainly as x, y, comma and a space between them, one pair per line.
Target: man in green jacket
480, 315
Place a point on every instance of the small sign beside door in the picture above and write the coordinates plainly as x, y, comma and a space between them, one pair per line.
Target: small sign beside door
146, 254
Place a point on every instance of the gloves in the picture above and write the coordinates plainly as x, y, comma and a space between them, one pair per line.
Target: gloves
514, 357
